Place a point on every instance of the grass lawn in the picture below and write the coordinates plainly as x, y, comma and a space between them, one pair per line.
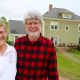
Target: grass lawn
68, 68
77, 55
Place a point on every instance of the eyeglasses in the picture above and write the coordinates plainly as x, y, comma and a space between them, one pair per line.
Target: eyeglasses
35, 23
2, 32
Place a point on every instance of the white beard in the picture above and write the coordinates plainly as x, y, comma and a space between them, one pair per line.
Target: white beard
34, 34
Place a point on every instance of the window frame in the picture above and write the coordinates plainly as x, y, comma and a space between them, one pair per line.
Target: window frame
68, 27
65, 16
54, 25
54, 36
16, 36
78, 39
51, 38
78, 28
69, 16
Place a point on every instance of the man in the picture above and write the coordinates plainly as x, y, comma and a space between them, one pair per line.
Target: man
36, 54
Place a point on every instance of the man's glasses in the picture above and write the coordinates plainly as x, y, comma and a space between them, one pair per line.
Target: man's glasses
35, 23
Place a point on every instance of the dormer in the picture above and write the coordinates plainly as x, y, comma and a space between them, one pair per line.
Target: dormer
66, 14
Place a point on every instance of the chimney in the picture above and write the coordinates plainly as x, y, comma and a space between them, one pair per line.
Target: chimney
50, 6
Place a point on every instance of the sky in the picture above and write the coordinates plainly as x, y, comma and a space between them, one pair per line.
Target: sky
15, 9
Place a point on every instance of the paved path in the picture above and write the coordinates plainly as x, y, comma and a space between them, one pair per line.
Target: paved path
62, 78
70, 56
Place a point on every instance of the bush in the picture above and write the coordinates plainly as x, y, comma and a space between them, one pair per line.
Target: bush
56, 48
69, 50
77, 52
78, 47
10, 43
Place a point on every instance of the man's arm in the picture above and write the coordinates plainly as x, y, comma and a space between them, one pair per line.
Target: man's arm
52, 67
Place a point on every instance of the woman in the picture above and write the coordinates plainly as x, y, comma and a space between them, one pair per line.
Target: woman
8, 56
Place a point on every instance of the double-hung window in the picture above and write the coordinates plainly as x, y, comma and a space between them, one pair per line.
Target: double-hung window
54, 25
79, 40
79, 27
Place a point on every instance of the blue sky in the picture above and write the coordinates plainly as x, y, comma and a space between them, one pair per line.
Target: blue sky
15, 9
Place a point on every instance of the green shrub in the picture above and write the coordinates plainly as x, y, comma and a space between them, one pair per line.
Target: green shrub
77, 52
56, 48
10, 43
69, 50
73, 50
78, 47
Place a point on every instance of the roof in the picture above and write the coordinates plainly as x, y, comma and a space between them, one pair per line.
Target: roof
17, 27
53, 13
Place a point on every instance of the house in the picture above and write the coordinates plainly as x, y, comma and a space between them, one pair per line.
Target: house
16, 30
61, 26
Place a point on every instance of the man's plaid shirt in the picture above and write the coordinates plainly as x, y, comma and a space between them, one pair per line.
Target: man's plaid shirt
36, 61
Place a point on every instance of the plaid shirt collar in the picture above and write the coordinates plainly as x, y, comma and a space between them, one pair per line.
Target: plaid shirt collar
39, 39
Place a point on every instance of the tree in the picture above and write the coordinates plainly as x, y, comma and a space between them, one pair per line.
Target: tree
3, 19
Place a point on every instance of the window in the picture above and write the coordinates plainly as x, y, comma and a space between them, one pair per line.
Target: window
79, 27
65, 15
16, 37
54, 39
79, 40
51, 38
69, 16
9, 37
12, 37
54, 25
67, 28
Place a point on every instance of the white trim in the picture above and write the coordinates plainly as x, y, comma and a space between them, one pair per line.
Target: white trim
54, 25
43, 28
78, 27
78, 39
19, 35
54, 36
64, 16
61, 19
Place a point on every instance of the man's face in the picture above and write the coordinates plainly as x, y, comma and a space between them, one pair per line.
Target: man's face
3, 36
33, 27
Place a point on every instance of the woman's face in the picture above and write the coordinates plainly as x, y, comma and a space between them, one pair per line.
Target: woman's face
3, 36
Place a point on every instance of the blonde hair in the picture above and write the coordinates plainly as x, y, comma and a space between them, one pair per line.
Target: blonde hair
3, 25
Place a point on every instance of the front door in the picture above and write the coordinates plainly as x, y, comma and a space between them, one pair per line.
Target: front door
54, 39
